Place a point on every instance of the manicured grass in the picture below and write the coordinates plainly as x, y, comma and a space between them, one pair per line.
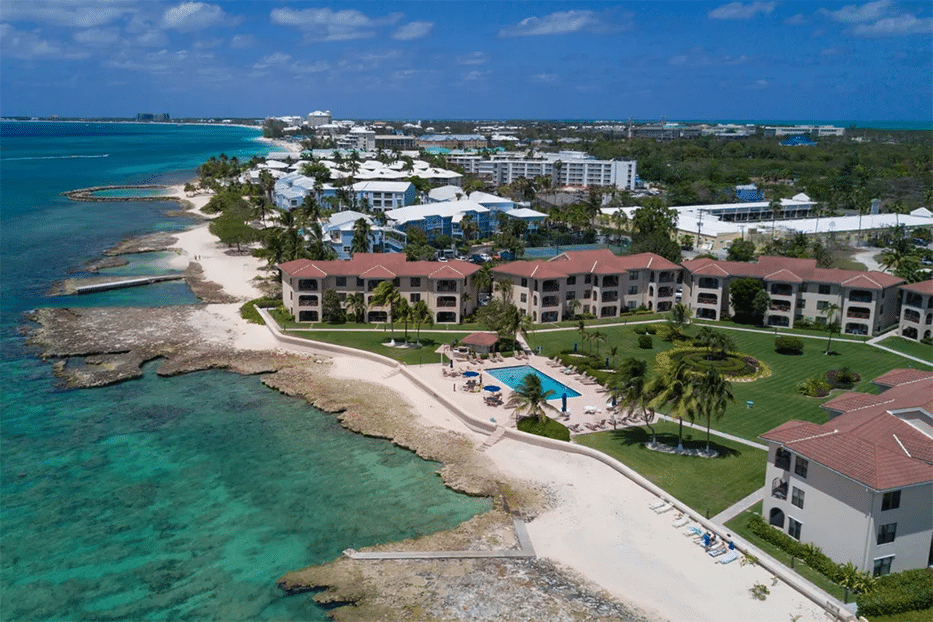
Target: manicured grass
909, 347
908, 616
739, 526
548, 427
372, 342
708, 485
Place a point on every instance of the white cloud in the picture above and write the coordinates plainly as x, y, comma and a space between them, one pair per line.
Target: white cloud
97, 36
796, 20
853, 13
243, 41
473, 58
414, 30
80, 14
896, 26
679, 59
151, 39
546, 78
473, 76
30, 46
282, 62
554, 24
195, 16
757, 85
740, 10
207, 44
329, 25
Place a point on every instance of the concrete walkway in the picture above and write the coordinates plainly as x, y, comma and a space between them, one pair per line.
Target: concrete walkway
525, 549
876, 341
737, 508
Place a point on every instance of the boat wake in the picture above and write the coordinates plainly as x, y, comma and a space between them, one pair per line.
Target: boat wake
61, 157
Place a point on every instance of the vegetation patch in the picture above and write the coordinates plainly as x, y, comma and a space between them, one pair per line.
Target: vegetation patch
546, 427
842, 378
788, 345
736, 365
248, 310
911, 590
814, 387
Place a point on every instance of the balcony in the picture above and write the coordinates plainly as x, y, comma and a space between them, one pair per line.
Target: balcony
665, 292
779, 488
708, 283
707, 299
779, 289
860, 296
610, 281
307, 285
445, 287
609, 297
912, 316
550, 301
913, 299
780, 305
861, 314
666, 277
550, 286
307, 301
446, 301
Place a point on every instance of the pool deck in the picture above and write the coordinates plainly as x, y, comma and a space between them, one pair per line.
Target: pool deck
453, 388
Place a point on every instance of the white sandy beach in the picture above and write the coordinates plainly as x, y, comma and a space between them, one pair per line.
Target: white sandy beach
602, 527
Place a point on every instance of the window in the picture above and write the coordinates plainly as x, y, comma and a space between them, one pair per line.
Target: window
882, 566
800, 467
632, 289
803, 287
416, 281
782, 459
571, 295
524, 298
801, 303
886, 533
587, 279
524, 282
359, 282
341, 281
571, 280
633, 276
793, 529
797, 497
824, 289
586, 294
891, 500
414, 297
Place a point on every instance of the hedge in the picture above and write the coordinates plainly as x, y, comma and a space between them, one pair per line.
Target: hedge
248, 310
811, 554
789, 345
548, 428
910, 590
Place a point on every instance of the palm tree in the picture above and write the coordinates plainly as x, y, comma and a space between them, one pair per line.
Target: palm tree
310, 211
483, 278
259, 206
712, 392
630, 389
504, 287
676, 389
574, 306
403, 311
421, 314
361, 231
598, 338
356, 304
831, 310
465, 298
267, 181
468, 227
386, 294
530, 399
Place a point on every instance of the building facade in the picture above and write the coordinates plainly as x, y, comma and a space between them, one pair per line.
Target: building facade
448, 288
339, 232
866, 301
916, 311
860, 487
572, 171
596, 282
445, 218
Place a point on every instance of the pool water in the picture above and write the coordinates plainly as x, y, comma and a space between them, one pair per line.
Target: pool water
512, 377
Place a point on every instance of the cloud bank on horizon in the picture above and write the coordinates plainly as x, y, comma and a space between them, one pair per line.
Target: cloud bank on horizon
461, 59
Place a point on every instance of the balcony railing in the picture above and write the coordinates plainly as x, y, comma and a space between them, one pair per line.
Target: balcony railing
707, 299
550, 286
853, 297
665, 292
781, 290
550, 301
861, 315
441, 287
780, 305
610, 297
779, 488
666, 277
446, 301
912, 316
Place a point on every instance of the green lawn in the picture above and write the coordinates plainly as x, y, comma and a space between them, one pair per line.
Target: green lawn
775, 398
909, 347
739, 525
372, 342
708, 485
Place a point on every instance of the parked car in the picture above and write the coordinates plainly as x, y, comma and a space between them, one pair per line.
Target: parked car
477, 259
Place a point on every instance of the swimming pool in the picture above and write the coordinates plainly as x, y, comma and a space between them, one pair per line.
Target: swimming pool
512, 377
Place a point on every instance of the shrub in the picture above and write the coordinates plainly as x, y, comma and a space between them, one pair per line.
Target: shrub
640, 330
751, 361
652, 329
547, 428
910, 590
248, 310
842, 377
644, 342
814, 387
788, 345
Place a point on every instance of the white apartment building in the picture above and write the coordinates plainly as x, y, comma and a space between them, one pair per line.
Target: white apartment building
357, 139
916, 311
575, 171
317, 118
796, 130
867, 300
860, 486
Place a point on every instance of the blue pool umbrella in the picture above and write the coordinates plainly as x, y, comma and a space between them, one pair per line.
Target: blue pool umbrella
470, 374
563, 402
492, 388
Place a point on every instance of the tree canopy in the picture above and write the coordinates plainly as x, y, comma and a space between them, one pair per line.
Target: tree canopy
749, 299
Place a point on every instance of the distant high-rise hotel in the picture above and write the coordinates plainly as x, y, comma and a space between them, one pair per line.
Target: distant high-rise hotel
148, 116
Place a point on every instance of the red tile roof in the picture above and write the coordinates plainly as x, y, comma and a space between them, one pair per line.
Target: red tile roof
791, 270
870, 443
480, 339
602, 261
378, 266
923, 287
897, 377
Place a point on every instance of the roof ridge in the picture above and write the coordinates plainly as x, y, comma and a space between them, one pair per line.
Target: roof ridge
812, 436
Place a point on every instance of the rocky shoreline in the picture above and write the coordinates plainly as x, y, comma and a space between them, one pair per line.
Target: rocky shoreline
87, 194
100, 346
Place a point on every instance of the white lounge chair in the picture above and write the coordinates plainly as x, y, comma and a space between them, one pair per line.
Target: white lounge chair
683, 520
657, 503
731, 556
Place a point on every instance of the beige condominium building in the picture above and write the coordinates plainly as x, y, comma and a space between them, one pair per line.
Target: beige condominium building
860, 486
917, 311
867, 301
595, 281
448, 288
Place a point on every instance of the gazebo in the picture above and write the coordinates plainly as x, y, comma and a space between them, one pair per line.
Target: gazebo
481, 343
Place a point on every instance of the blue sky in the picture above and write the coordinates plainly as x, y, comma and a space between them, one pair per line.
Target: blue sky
472, 60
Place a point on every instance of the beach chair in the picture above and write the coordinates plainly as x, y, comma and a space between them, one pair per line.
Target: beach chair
692, 531
657, 503
667, 507
729, 557
683, 520
717, 551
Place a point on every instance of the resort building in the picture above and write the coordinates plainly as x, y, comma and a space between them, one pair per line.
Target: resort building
448, 288
916, 311
860, 486
456, 193
564, 168
447, 218
451, 141
317, 118
357, 139
867, 301
291, 190
596, 282
339, 229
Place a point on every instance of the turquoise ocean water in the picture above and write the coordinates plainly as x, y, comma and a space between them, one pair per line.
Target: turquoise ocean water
156, 499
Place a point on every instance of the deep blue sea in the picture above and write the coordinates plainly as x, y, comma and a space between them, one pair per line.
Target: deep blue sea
163, 498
